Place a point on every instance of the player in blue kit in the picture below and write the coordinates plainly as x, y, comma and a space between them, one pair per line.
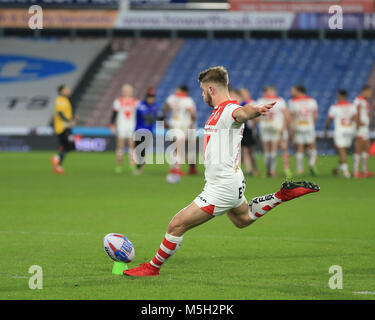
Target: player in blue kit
146, 115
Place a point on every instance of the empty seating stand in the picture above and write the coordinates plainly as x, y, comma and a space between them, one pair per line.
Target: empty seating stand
146, 62
322, 66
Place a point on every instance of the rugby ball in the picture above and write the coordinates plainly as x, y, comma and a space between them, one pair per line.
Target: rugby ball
118, 247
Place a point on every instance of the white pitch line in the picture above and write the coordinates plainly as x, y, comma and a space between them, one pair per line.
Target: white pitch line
372, 293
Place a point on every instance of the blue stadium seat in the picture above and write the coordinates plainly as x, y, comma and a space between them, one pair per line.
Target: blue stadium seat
322, 66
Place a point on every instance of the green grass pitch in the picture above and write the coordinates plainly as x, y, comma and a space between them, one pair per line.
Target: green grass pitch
58, 223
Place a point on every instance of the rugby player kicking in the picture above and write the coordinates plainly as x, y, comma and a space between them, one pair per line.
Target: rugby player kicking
225, 182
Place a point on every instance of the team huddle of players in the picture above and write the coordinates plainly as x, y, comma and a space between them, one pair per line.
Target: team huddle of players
293, 121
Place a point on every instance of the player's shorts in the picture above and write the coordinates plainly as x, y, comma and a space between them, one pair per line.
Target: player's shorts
363, 132
66, 140
125, 132
247, 137
183, 128
219, 199
343, 139
270, 134
304, 136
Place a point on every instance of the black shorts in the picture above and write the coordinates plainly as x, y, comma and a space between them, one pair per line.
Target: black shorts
66, 140
247, 138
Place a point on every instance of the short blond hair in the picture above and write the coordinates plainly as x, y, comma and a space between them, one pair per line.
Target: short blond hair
217, 75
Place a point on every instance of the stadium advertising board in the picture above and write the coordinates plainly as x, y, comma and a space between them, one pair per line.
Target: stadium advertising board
218, 20
213, 20
28, 81
351, 21
24, 143
54, 18
61, 3
349, 6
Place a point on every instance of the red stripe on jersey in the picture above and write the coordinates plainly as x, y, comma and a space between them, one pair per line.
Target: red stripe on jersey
156, 261
258, 215
169, 245
163, 254
205, 142
209, 209
225, 103
215, 116
302, 97
233, 116
267, 208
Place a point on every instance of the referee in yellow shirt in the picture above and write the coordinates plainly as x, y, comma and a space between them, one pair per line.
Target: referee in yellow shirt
63, 123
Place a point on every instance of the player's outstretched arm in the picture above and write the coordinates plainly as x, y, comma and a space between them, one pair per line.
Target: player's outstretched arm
250, 111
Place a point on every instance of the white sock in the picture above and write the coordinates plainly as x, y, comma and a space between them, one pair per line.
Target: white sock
259, 206
273, 158
356, 161
344, 168
312, 157
364, 162
299, 159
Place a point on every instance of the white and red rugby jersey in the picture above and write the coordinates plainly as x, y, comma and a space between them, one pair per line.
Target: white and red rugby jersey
222, 144
363, 108
181, 105
303, 108
125, 108
343, 114
275, 117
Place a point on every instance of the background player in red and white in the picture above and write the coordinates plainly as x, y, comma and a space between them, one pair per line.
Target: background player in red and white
343, 113
182, 111
272, 127
225, 183
304, 114
362, 140
123, 121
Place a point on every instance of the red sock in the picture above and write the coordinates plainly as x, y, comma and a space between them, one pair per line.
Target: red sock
168, 247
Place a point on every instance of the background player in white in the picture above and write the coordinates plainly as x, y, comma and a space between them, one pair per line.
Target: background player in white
362, 140
343, 113
183, 117
123, 119
284, 145
272, 127
304, 114
225, 183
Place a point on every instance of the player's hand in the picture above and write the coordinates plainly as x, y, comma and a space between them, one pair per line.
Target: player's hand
71, 123
264, 109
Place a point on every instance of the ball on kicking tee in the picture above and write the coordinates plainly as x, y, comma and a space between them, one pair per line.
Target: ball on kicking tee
173, 178
118, 247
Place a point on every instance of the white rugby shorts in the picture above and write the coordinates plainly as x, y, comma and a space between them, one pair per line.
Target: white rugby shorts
217, 199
